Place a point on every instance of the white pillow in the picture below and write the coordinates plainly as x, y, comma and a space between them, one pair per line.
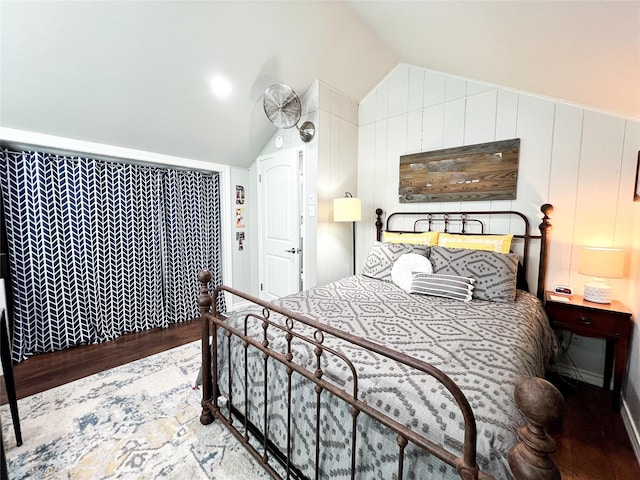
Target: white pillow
405, 265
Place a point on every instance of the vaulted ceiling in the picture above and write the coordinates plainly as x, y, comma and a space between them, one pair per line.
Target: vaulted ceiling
137, 74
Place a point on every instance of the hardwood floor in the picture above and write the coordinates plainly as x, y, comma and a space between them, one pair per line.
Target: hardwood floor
49, 370
592, 441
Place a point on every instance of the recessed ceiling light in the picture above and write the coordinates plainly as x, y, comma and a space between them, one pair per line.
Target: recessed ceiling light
220, 86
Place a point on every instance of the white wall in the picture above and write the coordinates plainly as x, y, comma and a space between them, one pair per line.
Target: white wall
337, 174
240, 259
581, 161
632, 391
330, 171
291, 138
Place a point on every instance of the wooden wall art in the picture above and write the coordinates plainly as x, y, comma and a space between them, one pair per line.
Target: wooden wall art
486, 171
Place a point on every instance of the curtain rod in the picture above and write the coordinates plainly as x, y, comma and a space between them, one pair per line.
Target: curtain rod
17, 146
21, 139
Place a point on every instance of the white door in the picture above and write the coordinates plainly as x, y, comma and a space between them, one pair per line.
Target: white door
280, 248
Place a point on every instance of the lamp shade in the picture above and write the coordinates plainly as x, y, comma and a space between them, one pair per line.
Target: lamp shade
347, 209
601, 262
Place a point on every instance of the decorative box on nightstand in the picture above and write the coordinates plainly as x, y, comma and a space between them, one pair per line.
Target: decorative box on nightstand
611, 321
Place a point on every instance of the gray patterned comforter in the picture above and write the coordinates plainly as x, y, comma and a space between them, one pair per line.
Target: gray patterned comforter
485, 347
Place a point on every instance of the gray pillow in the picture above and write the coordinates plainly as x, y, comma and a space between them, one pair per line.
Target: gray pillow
495, 273
382, 256
438, 285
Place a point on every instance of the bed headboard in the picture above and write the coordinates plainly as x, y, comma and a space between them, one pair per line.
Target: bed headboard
476, 223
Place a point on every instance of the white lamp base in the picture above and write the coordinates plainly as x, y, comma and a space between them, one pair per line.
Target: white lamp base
597, 293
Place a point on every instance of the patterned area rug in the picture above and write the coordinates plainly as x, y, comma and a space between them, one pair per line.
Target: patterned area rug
137, 421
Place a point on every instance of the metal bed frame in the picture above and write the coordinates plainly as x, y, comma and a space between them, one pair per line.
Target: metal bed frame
538, 400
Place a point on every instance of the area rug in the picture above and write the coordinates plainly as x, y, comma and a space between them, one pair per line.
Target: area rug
136, 421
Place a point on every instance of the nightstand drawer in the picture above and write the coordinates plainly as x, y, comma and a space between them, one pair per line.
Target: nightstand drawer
589, 322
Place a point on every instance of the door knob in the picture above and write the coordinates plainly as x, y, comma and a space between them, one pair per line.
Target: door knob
291, 250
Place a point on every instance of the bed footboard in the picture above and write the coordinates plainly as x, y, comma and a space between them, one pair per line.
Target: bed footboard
536, 398
543, 405
204, 305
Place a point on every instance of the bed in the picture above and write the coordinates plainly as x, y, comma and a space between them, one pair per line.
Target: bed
395, 372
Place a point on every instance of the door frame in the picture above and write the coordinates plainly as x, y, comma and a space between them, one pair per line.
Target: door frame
301, 155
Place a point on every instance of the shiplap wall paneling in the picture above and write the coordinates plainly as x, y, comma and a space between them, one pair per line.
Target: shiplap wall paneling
535, 133
598, 177
506, 124
432, 128
535, 130
380, 171
480, 119
506, 115
337, 171
595, 216
629, 209
415, 103
398, 96
630, 149
563, 186
435, 88
455, 88
480, 127
416, 89
393, 127
414, 132
453, 132
396, 146
599, 172
365, 229
382, 100
583, 162
330, 235
625, 206
324, 175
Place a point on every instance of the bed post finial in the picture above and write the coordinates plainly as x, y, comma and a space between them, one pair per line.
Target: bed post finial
545, 227
546, 209
379, 224
204, 305
542, 405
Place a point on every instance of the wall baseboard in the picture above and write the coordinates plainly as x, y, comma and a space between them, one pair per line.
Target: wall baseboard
630, 427
240, 305
585, 376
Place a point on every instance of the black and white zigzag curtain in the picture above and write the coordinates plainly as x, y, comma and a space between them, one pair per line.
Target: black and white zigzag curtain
98, 249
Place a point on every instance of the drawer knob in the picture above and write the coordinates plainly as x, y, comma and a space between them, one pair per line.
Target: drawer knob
585, 320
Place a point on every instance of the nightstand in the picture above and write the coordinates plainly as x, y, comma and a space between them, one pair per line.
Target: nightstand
611, 321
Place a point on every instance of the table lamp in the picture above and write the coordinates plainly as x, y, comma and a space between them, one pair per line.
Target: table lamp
348, 209
600, 262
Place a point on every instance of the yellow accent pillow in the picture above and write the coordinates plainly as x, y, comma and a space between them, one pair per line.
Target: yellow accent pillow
422, 238
491, 243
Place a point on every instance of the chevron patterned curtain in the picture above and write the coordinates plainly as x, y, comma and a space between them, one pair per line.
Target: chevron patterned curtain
193, 238
96, 247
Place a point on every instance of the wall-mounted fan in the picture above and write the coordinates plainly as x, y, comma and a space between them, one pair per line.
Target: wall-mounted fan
283, 108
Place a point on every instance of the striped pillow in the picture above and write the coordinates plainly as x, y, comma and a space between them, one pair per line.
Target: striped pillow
494, 273
439, 285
